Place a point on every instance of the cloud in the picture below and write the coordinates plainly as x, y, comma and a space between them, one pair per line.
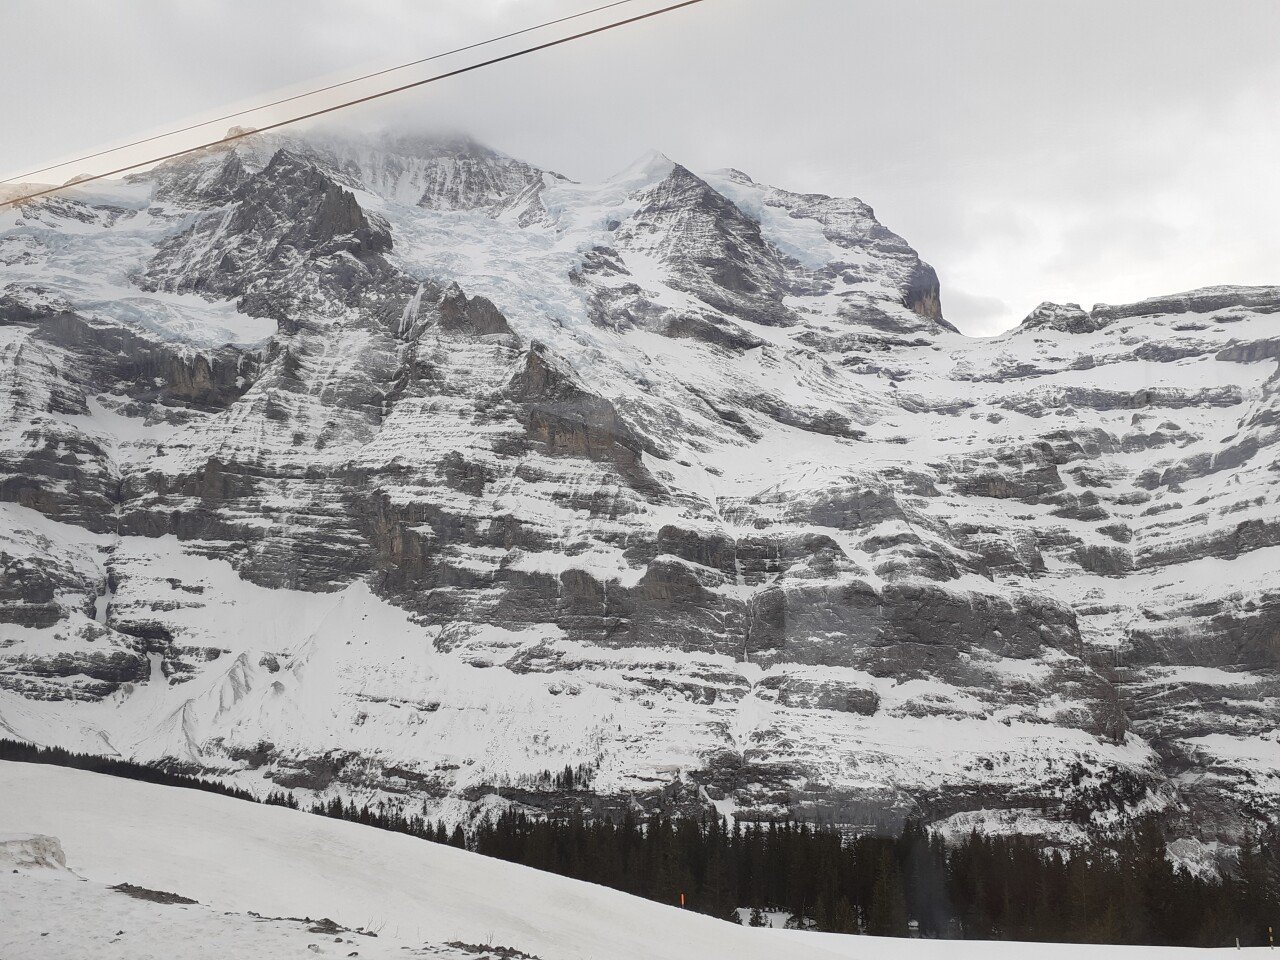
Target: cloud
1030, 151
982, 316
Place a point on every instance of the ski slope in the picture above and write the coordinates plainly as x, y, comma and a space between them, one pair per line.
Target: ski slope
423, 899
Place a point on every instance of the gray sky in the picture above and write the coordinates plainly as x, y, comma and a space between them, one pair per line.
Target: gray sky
1084, 151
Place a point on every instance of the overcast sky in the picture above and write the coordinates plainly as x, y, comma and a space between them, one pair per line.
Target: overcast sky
1073, 151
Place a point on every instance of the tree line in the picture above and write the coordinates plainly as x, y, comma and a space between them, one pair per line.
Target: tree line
1121, 890
981, 887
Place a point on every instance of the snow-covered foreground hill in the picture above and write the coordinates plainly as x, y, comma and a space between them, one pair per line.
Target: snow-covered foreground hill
238, 856
423, 899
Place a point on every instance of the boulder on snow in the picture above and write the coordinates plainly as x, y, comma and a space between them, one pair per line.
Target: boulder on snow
26, 850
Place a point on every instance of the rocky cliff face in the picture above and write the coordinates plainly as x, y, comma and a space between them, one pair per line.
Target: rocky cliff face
406, 469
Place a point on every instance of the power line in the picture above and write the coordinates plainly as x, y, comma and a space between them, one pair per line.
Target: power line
351, 103
311, 93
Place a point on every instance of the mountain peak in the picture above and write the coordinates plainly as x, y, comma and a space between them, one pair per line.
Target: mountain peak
650, 167
1063, 317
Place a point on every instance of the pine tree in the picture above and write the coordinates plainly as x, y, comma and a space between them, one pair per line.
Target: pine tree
844, 920
1253, 885
888, 914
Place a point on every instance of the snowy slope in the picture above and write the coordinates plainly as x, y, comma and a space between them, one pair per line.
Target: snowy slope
419, 897
401, 468
282, 862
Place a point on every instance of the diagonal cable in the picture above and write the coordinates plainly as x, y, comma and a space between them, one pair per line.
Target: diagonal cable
359, 100
310, 93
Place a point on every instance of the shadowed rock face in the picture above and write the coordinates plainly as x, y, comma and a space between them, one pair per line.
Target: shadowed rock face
291, 241
1064, 317
476, 316
567, 420
150, 371
712, 249
682, 481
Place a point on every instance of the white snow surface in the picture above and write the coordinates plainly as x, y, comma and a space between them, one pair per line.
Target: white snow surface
235, 857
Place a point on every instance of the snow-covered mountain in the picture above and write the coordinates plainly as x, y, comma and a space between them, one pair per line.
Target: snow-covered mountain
400, 467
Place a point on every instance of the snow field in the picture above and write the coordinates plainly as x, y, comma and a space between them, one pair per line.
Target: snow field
235, 857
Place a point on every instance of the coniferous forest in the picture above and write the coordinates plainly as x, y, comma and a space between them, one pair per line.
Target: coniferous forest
1122, 890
